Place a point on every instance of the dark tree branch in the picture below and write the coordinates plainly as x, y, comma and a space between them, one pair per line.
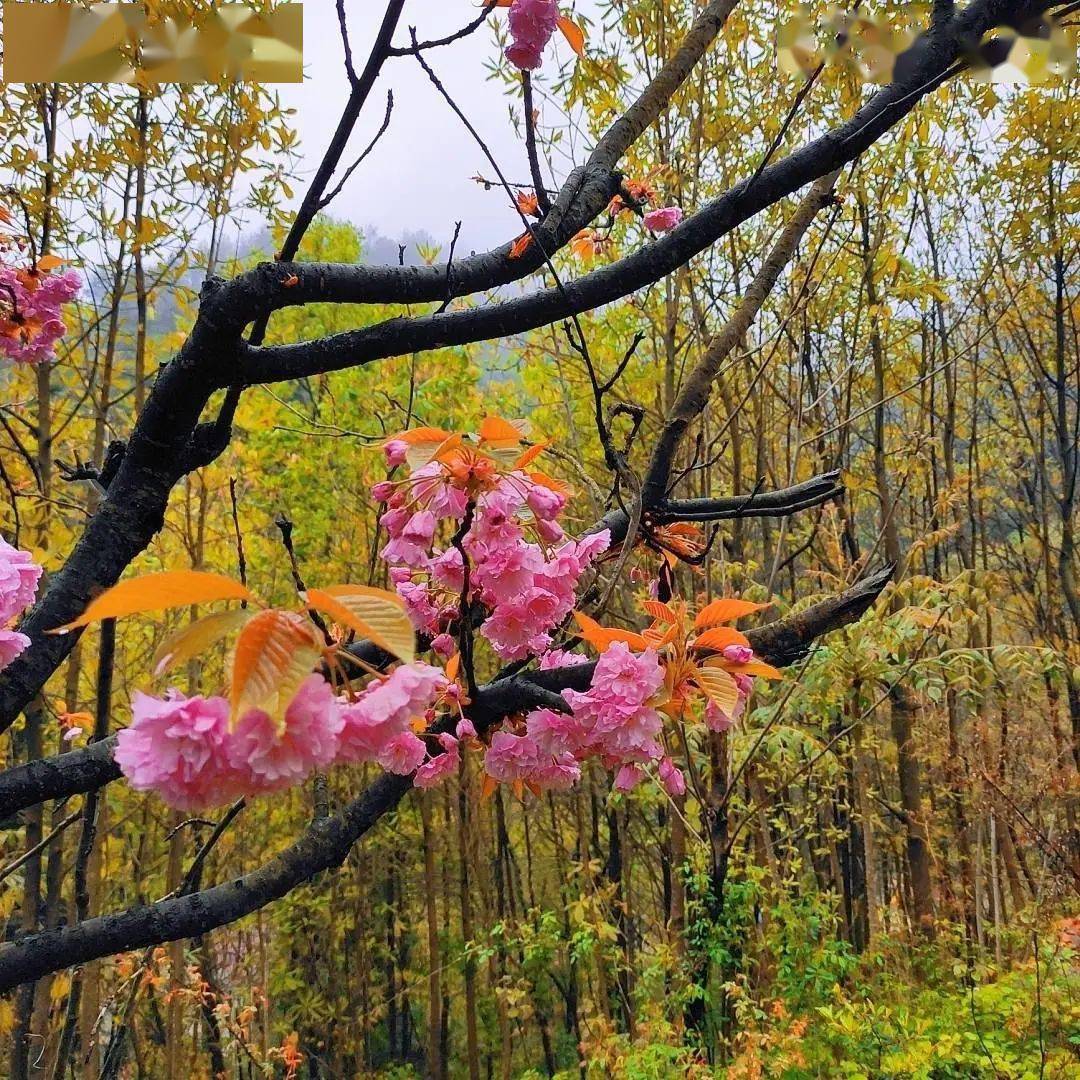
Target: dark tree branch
927, 64
542, 201
436, 43
73, 773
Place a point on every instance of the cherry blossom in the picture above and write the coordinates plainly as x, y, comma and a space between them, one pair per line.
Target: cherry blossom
673, 780
438, 768
176, 746
30, 317
12, 645
385, 709
532, 22
521, 568
403, 754
264, 759
19, 576
663, 218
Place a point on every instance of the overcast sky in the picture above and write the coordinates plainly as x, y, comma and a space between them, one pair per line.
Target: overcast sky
417, 178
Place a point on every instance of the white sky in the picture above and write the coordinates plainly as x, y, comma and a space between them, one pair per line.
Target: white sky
417, 178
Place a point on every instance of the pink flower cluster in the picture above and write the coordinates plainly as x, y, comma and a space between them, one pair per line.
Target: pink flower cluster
30, 319
19, 576
663, 218
613, 721
527, 588
532, 22
183, 748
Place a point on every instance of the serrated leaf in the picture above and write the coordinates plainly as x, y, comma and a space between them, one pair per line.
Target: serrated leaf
757, 668
725, 610
379, 615
719, 638
661, 612
275, 653
416, 436
719, 686
530, 454
197, 637
158, 592
600, 637
499, 432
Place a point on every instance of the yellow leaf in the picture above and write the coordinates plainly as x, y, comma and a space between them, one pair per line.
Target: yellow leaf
275, 653
719, 686
158, 592
379, 615
7, 1012
756, 667
721, 611
198, 636
573, 34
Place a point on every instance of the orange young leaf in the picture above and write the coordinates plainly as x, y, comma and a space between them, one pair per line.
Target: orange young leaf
726, 610
583, 245
530, 455
600, 637
494, 429
520, 246
452, 667
488, 788
560, 487
49, 262
158, 592
720, 637
275, 653
432, 435
719, 687
573, 34
448, 449
660, 612
197, 637
658, 640
527, 203
379, 615
681, 539
434, 444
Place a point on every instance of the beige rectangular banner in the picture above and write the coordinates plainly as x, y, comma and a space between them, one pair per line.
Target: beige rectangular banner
121, 43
